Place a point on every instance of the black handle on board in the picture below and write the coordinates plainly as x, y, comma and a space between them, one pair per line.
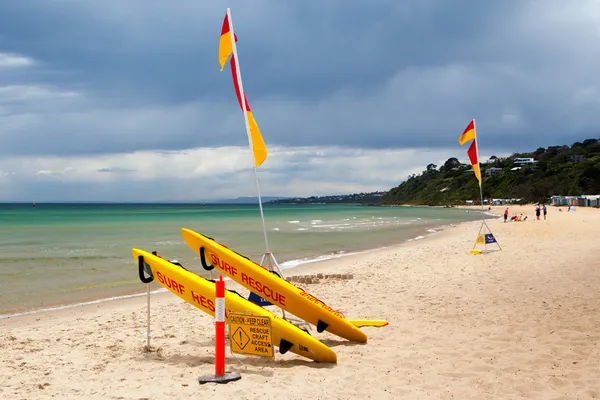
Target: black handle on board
205, 265
141, 269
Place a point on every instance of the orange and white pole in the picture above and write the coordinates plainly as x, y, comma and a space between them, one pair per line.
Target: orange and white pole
220, 375
220, 327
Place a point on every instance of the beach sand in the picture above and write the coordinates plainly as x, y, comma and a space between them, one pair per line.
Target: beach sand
523, 322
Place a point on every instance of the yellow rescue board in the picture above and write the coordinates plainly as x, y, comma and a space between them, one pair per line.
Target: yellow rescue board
272, 288
378, 323
200, 292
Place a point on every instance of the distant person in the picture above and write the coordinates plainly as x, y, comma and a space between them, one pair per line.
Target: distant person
545, 212
505, 214
537, 212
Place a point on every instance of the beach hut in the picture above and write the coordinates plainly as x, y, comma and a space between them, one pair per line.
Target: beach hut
578, 201
591, 200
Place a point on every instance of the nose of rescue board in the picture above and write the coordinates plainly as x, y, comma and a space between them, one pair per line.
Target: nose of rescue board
360, 323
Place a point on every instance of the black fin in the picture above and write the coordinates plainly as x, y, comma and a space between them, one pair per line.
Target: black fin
284, 346
321, 326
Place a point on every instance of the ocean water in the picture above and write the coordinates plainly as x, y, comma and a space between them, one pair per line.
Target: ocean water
58, 254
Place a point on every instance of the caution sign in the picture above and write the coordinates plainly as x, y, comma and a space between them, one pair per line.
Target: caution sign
250, 334
480, 239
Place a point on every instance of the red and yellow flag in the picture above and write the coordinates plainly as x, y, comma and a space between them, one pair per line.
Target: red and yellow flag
258, 144
225, 46
472, 152
225, 51
468, 134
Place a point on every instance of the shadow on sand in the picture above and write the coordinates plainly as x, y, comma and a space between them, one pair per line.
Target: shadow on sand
238, 363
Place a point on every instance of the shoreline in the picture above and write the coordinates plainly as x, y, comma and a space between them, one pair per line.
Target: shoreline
299, 266
73, 280
160, 294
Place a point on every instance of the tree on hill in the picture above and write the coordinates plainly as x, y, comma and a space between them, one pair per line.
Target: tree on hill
556, 171
450, 163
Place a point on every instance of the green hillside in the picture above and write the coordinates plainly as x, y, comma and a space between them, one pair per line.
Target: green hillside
356, 198
557, 170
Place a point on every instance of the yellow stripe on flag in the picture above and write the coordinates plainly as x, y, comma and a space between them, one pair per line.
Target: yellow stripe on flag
258, 144
225, 49
477, 172
468, 134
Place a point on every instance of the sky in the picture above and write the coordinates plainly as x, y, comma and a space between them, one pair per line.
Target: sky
124, 101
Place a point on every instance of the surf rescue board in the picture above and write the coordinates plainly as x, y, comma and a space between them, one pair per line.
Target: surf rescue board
274, 289
200, 292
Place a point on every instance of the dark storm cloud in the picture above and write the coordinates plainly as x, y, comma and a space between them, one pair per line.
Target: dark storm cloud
143, 75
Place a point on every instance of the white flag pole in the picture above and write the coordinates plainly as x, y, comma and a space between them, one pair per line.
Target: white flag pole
243, 101
270, 258
480, 185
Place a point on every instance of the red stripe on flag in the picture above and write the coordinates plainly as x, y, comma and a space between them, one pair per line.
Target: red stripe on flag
237, 86
472, 152
471, 126
225, 28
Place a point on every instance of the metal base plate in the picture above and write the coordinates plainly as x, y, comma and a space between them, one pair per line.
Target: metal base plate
228, 377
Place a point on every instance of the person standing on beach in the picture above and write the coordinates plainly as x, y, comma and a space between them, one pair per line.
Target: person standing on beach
545, 212
537, 212
505, 214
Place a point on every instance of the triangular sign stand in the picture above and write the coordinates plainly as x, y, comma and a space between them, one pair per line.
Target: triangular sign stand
485, 237
268, 261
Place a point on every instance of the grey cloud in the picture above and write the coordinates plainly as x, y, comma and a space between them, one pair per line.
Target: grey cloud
8, 60
379, 74
172, 176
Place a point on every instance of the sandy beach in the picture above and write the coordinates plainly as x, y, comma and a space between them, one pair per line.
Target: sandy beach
523, 322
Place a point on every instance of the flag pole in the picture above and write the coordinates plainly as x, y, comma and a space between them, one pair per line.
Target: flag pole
272, 262
480, 184
243, 101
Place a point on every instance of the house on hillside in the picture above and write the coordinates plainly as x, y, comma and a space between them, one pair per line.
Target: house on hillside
494, 171
524, 161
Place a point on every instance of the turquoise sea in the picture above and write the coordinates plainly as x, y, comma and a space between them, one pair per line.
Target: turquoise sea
59, 254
